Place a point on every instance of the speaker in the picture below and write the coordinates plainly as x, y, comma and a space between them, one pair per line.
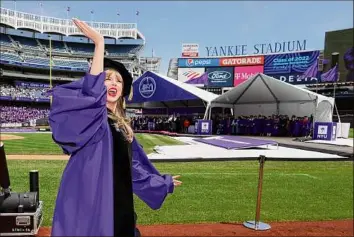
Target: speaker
19, 203
334, 59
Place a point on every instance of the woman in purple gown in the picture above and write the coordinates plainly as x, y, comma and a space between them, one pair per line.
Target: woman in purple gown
106, 165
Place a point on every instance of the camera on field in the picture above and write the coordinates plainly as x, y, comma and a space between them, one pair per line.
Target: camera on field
20, 213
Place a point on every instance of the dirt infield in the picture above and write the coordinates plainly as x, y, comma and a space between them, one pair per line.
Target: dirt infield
321, 228
6, 137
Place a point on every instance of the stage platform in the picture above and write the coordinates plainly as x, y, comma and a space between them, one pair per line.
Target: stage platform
346, 151
235, 142
198, 151
346, 142
288, 142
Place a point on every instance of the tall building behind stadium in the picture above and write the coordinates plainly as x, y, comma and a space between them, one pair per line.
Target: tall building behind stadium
28, 40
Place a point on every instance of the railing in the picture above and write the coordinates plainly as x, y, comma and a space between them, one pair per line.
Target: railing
66, 27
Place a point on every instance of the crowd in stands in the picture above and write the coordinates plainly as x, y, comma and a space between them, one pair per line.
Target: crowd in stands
259, 125
21, 114
177, 124
275, 125
18, 91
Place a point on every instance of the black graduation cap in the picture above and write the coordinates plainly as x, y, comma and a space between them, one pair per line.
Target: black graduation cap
126, 76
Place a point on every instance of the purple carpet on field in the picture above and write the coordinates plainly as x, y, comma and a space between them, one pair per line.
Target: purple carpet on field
235, 142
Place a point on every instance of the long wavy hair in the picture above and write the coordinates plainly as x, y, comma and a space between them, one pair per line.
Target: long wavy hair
122, 122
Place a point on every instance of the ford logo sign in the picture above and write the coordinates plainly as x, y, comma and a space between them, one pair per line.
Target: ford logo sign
219, 75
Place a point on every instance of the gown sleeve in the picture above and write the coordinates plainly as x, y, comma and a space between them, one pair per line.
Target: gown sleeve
148, 184
78, 115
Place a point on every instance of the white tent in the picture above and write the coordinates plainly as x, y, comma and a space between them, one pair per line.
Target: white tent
170, 93
265, 95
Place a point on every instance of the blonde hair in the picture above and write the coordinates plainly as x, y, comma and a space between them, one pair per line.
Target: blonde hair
118, 115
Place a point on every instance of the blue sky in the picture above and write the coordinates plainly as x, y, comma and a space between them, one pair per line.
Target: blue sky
168, 24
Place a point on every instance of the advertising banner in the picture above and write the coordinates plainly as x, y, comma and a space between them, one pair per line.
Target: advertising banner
198, 62
242, 61
289, 62
5, 97
220, 76
23, 99
241, 74
190, 50
33, 65
186, 74
297, 78
31, 84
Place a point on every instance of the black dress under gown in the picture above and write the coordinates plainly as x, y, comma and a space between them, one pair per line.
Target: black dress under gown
124, 221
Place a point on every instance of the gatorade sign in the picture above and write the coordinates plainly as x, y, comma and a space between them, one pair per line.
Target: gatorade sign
242, 61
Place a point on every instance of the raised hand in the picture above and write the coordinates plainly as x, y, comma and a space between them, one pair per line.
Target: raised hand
89, 32
176, 182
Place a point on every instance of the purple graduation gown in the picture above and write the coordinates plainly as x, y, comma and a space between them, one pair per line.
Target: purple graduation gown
84, 204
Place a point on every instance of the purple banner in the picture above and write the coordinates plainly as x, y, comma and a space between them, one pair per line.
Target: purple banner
42, 100
325, 131
5, 98
349, 64
331, 75
290, 62
202, 80
204, 127
23, 99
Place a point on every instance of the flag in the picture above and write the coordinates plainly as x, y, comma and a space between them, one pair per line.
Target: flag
118, 14
331, 75
68, 9
203, 80
91, 12
137, 13
41, 4
311, 71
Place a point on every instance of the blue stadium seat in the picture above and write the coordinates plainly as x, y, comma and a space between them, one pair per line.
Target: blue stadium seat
70, 63
121, 50
57, 46
5, 41
27, 43
83, 49
36, 60
10, 57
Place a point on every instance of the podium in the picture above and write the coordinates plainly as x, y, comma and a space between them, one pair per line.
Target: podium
203, 127
325, 131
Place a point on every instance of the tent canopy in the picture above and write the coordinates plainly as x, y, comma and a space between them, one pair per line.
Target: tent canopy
265, 95
153, 90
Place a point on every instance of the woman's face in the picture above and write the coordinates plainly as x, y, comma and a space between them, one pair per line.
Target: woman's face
114, 85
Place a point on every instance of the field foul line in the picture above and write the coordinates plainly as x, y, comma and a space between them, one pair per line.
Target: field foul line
241, 174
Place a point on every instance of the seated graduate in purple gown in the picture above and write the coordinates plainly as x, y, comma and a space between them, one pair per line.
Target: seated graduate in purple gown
107, 164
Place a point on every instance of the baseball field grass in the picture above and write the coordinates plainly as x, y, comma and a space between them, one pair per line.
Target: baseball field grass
43, 144
226, 191
211, 191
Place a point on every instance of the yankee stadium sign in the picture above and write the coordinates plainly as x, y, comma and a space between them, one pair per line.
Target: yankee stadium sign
265, 48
